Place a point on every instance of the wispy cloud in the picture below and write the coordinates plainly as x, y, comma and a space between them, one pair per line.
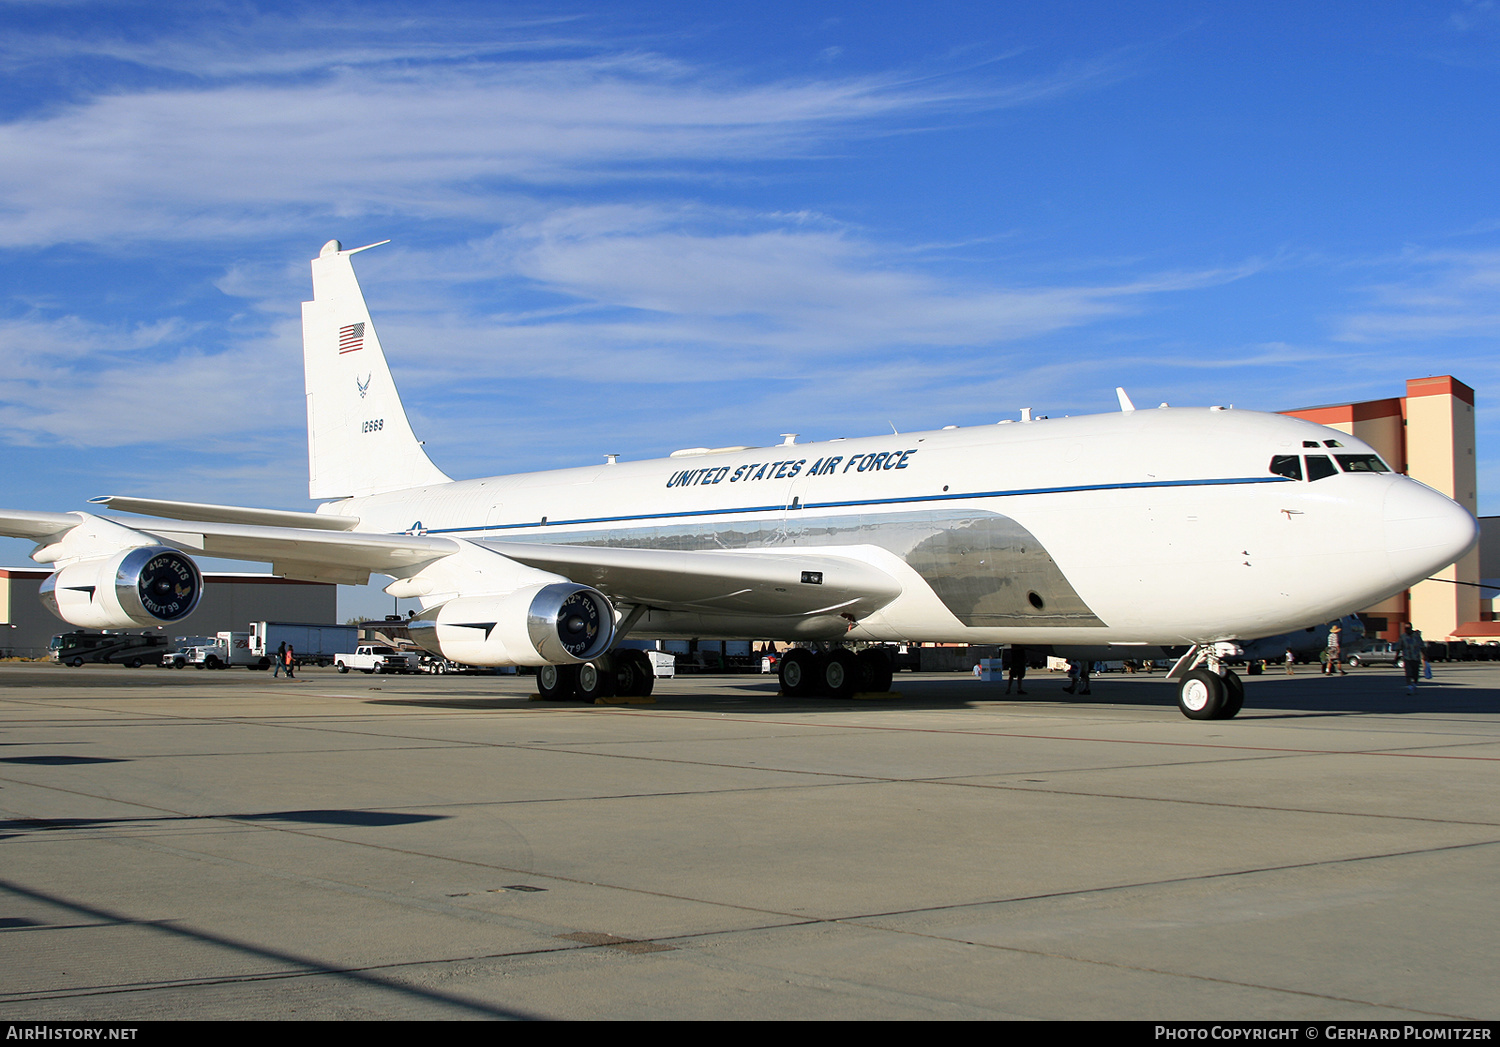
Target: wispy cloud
415, 127
1430, 295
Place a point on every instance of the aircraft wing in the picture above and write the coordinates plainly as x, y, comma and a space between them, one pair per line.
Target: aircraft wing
17, 523
769, 582
762, 582
303, 553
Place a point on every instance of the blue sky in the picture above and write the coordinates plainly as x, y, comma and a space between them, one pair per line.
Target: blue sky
632, 227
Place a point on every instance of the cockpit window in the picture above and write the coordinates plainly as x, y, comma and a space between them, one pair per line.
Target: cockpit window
1362, 463
1319, 467
1288, 465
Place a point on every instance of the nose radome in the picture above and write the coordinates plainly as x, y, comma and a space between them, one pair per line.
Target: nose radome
1424, 531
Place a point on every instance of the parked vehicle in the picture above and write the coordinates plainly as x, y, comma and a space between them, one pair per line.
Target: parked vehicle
377, 658
1382, 653
311, 644
119, 648
228, 648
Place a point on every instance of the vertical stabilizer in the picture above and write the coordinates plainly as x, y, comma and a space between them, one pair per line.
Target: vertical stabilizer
358, 439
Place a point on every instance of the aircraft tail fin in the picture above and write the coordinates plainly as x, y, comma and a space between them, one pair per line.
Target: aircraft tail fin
359, 441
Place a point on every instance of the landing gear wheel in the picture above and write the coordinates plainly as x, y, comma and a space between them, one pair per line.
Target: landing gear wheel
557, 683
624, 674
596, 680
1234, 695
642, 676
1202, 695
875, 671
838, 673
795, 670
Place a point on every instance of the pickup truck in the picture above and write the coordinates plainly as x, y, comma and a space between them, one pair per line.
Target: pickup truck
377, 658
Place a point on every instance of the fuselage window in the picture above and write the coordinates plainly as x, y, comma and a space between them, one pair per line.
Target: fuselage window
1319, 467
1288, 465
1362, 463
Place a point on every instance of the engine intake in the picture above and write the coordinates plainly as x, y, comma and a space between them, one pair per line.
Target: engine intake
141, 586
554, 624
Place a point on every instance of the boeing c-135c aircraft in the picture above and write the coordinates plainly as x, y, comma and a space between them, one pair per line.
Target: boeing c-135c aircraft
1172, 526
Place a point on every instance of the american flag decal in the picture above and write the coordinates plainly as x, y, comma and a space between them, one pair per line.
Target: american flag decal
351, 338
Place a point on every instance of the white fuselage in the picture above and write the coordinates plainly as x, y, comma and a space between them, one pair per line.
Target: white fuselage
1159, 526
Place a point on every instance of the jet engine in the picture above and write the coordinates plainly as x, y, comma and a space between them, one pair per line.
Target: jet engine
140, 586
554, 624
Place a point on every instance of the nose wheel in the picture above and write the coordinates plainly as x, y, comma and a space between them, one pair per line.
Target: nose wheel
1207, 691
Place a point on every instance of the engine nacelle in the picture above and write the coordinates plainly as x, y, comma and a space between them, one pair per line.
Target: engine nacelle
554, 624
146, 585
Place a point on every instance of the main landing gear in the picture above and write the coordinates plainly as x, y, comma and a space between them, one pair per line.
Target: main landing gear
618, 674
1206, 688
836, 673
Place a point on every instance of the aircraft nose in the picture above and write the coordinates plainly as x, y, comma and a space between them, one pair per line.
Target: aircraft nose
1424, 531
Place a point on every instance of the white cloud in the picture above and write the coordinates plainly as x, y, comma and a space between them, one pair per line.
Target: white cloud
73, 382
419, 140
1432, 295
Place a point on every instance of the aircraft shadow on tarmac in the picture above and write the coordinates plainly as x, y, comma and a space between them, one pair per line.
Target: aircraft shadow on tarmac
364, 819
1309, 693
297, 965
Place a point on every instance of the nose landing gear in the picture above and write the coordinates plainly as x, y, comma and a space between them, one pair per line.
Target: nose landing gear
1206, 688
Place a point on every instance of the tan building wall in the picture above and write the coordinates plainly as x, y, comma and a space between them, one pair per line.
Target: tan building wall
1440, 453
230, 601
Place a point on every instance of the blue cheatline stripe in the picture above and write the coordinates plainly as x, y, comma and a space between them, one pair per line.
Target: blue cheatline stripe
782, 507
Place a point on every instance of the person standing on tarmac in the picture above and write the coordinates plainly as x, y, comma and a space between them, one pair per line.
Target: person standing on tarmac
1335, 636
1413, 650
1017, 669
280, 660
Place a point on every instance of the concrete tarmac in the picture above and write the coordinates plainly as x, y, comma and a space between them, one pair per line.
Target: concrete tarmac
228, 845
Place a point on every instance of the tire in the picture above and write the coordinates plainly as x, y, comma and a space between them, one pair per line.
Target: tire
1201, 695
596, 681
343, 668
795, 670
876, 670
211, 662
643, 675
557, 683
1234, 696
838, 673
76, 663
626, 674
134, 663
